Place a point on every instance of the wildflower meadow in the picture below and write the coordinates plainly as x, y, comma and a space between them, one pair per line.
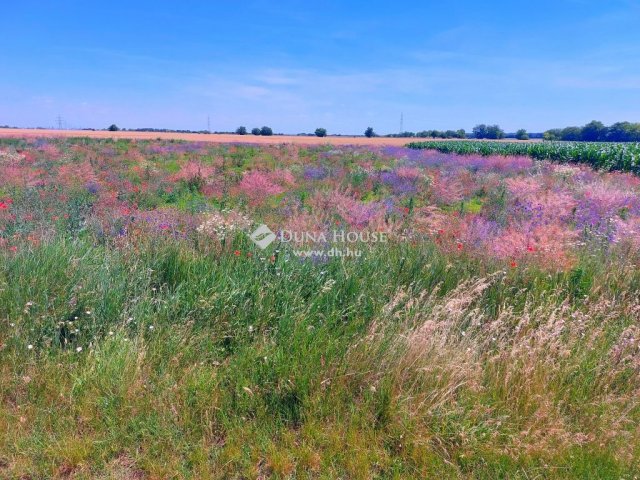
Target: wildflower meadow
174, 309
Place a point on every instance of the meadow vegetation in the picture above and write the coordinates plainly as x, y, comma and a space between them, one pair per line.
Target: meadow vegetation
144, 335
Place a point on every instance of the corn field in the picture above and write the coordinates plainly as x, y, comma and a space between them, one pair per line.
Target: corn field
602, 156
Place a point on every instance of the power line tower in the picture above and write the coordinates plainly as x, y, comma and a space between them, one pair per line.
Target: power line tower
208, 124
60, 122
401, 122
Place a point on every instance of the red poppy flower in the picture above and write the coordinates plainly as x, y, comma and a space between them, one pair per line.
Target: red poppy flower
513, 264
459, 246
237, 253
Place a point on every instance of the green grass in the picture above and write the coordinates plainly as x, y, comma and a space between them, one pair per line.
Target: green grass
197, 363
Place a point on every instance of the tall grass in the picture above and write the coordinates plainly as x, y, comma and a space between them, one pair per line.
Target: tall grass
168, 359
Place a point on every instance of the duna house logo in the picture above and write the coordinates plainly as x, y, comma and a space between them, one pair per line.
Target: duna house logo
262, 236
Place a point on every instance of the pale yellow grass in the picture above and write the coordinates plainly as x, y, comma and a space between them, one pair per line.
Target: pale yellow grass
212, 138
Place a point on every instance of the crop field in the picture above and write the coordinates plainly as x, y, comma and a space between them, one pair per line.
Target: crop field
218, 138
173, 309
600, 155
203, 137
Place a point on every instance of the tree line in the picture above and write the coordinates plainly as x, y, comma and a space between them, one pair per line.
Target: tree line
596, 131
492, 132
593, 131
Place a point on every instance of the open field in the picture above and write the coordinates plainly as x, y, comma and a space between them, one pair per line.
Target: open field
211, 138
485, 325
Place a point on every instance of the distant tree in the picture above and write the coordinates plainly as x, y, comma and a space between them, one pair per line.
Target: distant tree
450, 134
369, 132
494, 132
241, 131
256, 131
321, 132
480, 131
571, 134
113, 128
623, 132
594, 131
422, 134
461, 133
619, 132
266, 131
553, 134
522, 134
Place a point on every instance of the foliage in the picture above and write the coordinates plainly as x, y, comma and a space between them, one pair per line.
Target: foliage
522, 134
488, 131
596, 131
442, 134
266, 131
241, 131
369, 132
321, 132
113, 128
480, 131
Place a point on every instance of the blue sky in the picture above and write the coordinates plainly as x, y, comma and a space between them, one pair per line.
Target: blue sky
297, 65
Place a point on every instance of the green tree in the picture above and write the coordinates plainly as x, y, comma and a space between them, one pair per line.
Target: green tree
266, 131
571, 134
480, 131
522, 134
113, 128
553, 134
593, 131
241, 131
623, 132
321, 132
494, 132
256, 131
369, 132
461, 133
